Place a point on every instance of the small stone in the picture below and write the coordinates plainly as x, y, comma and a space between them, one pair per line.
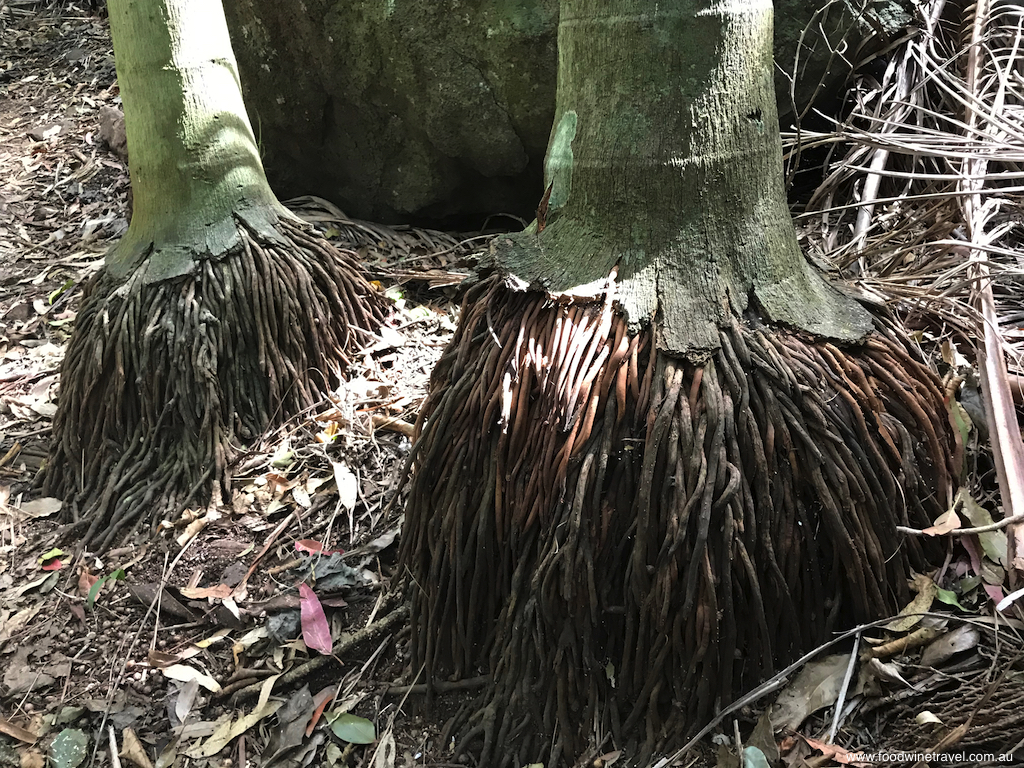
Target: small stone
43, 132
112, 133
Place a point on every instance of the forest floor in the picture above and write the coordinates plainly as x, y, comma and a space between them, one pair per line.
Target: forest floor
142, 658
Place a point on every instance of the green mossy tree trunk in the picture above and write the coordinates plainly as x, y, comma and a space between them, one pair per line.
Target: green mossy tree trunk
662, 456
193, 158
218, 310
664, 160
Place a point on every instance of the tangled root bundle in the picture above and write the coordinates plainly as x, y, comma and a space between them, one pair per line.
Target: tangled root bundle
162, 381
627, 541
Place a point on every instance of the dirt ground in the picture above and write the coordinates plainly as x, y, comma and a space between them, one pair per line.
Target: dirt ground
190, 644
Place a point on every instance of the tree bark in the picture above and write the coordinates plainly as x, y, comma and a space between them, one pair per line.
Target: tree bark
665, 160
194, 162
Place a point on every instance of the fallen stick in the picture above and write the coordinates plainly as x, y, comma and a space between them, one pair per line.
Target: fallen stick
304, 670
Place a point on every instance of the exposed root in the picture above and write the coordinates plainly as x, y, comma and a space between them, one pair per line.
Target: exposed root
163, 382
628, 541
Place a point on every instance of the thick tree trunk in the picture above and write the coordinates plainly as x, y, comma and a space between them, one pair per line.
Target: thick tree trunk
451, 103
681, 462
217, 312
665, 160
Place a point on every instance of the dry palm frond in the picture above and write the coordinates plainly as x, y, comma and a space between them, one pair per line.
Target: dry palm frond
992, 74
925, 208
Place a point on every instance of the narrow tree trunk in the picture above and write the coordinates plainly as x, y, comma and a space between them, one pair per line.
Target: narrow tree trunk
217, 312
194, 161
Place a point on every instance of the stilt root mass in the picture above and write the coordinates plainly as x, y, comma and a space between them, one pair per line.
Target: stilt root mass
627, 542
163, 383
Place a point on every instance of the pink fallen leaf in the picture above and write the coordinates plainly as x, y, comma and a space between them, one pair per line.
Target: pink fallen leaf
946, 522
220, 591
53, 565
970, 543
837, 753
315, 547
316, 633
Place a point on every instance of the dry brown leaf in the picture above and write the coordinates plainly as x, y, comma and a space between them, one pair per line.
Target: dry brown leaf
132, 749
910, 615
816, 686
963, 638
946, 522
837, 753
85, 581
221, 591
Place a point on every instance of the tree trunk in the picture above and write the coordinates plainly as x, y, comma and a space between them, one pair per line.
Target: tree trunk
218, 311
665, 161
193, 159
662, 456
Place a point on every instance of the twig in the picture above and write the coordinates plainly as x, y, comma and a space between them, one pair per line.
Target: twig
843, 691
441, 686
311, 666
393, 423
965, 531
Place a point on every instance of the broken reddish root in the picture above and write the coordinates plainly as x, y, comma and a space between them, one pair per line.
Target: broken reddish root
628, 541
162, 383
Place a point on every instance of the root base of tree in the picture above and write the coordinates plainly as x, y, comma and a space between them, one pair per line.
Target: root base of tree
627, 542
162, 383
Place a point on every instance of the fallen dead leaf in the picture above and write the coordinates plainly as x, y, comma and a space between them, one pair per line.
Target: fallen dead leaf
946, 522
910, 615
132, 749
86, 581
183, 673
816, 686
837, 753
963, 638
316, 631
231, 730
348, 486
926, 718
42, 507
221, 591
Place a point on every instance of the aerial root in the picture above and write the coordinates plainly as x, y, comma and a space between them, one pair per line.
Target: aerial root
163, 382
627, 541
